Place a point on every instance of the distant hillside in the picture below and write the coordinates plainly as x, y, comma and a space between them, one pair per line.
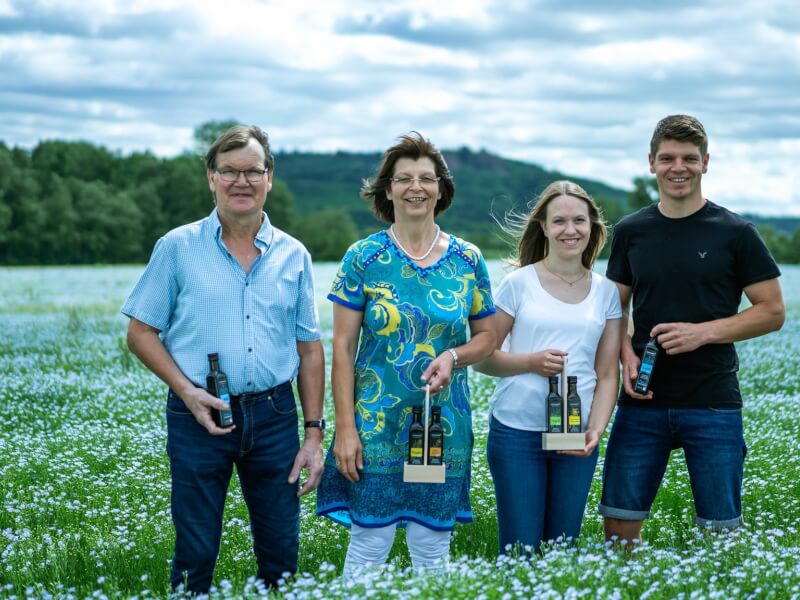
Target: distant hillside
787, 225
484, 182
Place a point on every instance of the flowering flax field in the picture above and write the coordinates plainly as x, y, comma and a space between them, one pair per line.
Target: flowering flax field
84, 478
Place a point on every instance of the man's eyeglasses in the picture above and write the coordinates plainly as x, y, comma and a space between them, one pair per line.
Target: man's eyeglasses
424, 180
252, 175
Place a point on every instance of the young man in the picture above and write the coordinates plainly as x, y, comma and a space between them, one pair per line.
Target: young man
234, 285
685, 263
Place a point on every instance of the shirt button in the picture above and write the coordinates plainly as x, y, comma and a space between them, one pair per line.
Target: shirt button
249, 349
246, 284
250, 383
247, 317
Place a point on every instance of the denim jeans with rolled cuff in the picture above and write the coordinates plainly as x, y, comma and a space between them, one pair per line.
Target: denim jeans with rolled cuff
638, 451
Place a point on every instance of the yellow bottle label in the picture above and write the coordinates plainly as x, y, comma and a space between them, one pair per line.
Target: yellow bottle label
416, 452
435, 452
573, 420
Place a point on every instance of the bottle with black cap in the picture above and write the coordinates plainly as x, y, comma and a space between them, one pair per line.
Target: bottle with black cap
649, 357
555, 414
217, 384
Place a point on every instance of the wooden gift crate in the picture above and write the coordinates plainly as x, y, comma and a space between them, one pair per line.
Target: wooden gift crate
424, 473
563, 441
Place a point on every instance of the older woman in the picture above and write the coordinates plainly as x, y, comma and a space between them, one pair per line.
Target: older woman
410, 292
552, 306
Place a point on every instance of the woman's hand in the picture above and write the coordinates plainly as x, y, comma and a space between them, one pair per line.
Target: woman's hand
438, 373
347, 451
591, 439
547, 362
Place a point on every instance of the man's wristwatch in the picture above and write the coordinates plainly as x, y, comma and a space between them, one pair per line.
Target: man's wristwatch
320, 424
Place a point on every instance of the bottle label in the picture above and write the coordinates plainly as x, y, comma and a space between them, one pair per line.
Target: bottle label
435, 452
574, 420
416, 452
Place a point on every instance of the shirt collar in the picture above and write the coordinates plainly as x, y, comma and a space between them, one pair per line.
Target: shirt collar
264, 235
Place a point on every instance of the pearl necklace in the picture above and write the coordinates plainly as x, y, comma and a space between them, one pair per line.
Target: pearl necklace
406, 252
569, 283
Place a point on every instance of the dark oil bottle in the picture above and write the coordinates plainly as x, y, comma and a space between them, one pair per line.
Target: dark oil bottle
436, 437
649, 357
416, 438
217, 384
555, 415
573, 405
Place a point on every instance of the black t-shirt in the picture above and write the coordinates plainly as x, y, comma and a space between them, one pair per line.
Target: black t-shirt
688, 270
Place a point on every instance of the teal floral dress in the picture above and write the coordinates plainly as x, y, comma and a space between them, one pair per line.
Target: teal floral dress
411, 315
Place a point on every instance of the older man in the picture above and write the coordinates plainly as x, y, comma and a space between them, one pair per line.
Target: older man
234, 285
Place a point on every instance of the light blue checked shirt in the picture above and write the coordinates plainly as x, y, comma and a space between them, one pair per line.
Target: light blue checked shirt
197, 294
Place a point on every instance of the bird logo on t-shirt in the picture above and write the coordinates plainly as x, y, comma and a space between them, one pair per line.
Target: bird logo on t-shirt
702, 254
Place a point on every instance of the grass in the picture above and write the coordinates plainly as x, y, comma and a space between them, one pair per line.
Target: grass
84, 478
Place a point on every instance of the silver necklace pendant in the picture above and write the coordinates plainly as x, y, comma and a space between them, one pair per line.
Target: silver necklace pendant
406, 252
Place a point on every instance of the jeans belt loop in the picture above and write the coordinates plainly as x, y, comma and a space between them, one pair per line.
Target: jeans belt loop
267, 393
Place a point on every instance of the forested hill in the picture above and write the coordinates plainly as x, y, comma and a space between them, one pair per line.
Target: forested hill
484, 183
78, 203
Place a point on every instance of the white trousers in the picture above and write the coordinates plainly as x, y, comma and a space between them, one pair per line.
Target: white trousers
370, 546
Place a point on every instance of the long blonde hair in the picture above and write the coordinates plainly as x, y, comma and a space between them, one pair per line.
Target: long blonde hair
527, 230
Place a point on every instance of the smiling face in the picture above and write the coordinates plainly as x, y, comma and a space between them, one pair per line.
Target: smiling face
679, 167
414, 200
240, 199
567, 227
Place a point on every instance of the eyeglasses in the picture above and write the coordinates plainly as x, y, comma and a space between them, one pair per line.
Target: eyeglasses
424, 180
252, 175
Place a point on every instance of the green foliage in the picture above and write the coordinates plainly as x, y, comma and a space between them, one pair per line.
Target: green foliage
327, 233
785, 248
76, 203
280, 206
645, 192
485, 184
207, 133
612, 212
81, 160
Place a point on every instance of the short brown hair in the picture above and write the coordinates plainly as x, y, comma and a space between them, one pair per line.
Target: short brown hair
681, 128
237, 137
411, 145
532, 243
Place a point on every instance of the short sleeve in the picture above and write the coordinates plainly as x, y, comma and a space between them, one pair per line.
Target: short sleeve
619, 268
505, 297
307, 326
348, 285
482, 301
153, 298
753, 259
613, 304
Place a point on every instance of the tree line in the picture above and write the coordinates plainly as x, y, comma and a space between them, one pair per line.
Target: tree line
79, 203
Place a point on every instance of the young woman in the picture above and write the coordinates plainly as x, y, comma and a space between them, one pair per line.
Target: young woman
553, 306
411, 293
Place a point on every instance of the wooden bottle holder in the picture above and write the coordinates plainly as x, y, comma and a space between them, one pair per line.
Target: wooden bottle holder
425, 473
563, 441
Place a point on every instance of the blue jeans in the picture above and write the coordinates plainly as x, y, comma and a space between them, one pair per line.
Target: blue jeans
540, 494
263, 448
638, 450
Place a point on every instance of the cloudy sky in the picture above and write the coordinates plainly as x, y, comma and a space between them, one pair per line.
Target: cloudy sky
575, 86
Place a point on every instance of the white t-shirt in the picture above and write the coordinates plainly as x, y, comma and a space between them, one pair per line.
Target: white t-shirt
542, 322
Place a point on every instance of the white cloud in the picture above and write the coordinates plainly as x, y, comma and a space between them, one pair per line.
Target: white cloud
574, 87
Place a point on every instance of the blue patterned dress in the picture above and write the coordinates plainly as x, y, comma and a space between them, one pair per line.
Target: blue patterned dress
411, 315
